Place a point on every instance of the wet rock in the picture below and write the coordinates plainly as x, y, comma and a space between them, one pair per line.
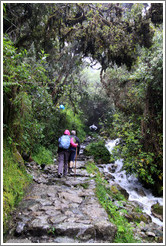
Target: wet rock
150, 234
65, 240
157, 211
137, 204
52, 212
117, 188
95, 212
17, 156
77, 230
39, 226
112, 168
34, 207
109, 176
57, 219
44, 202
118, 205
137, 217
143, 227
123, 191
105, 230
140, 192
20, 227
70, 197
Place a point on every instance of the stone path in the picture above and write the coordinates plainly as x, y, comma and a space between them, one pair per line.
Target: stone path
66, 210
61, 210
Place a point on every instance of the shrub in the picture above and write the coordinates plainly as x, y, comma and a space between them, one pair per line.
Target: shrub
15, 181
42, 155
99, 152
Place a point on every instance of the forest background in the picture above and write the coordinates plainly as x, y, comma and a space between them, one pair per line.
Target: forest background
49, 55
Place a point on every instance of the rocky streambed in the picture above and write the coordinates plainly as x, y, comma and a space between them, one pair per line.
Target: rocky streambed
66, 210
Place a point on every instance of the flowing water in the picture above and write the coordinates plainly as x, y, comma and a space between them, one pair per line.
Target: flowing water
131, 184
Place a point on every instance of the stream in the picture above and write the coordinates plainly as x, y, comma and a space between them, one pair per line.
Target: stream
130, 183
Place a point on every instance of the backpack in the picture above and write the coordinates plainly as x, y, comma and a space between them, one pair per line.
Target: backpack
64, 142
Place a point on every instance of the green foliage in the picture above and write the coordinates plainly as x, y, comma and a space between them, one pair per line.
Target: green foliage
91, 167
97, 108
98, 151
75, 122
31, 120
107, 38
138, 97
42, 155
136, 160
15, 181
124, 229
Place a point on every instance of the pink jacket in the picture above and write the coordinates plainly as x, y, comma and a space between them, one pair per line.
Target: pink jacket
72, 143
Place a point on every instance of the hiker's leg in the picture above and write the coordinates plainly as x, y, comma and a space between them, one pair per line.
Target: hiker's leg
70, 159
71, 163
73, 155
61, 163
66, 160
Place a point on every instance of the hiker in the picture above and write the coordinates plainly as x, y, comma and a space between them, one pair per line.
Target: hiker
64, 143
93, 128
73, 151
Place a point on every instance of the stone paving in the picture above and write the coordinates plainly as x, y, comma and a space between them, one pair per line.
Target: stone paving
61, 210
66, 211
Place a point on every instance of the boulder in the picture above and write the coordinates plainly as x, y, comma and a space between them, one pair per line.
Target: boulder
39, 226
138, 217
105, 230
18, 158
123, 191
20, 228
157, 211
70, 197
75, 230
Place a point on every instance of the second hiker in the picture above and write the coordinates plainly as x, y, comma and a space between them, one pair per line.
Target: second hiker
73, 150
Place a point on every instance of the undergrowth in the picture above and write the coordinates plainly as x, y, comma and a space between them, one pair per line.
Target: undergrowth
105, 196
99, 152
42, 155
15, 181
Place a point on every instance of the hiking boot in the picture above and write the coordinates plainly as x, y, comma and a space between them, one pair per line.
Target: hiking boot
70, 171
59, 175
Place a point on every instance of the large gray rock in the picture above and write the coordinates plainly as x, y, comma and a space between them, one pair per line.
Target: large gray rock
76, 230
105, 230
70, 197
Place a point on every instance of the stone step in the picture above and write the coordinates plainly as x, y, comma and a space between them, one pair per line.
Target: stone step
63, 208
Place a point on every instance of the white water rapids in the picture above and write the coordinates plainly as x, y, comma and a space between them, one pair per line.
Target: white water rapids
131, 184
